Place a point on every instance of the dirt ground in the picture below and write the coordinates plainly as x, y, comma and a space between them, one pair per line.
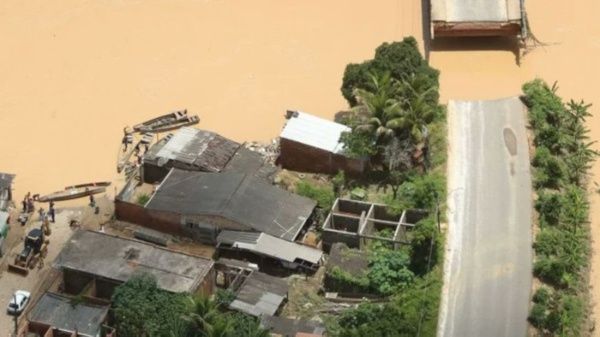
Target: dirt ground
10, 282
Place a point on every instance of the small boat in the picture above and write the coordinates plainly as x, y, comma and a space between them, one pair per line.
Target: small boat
96, 184
167, 122
75, 191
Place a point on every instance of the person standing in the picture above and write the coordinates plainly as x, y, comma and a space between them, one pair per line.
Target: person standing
42, 214
51, 212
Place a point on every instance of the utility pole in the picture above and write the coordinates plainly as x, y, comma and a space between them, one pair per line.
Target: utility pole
16, 317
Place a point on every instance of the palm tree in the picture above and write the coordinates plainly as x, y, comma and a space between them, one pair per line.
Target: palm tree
218, 328
380, 106
203, 312
417, 114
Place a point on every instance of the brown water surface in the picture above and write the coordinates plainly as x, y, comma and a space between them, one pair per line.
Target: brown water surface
73, 73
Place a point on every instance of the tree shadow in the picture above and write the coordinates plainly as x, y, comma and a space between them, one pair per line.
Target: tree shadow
500, 43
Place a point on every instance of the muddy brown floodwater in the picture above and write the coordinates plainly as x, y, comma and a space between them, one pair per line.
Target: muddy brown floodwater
74, 73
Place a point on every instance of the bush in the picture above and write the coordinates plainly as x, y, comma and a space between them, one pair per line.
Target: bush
542, 296
549, 207
342, 281
550, 171
322, 195
537, 315
388, 271
421, 244
422, 191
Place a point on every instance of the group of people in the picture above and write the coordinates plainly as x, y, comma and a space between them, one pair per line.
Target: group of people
44, 217
28, 208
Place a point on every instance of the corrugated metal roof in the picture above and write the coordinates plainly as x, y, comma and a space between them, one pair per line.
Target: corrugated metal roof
242, 198
260, 294
205, 150
268, 245
314, 131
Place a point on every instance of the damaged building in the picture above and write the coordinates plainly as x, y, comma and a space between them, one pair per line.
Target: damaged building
193, 149
200, 204
355, 223
93, 264
268, 252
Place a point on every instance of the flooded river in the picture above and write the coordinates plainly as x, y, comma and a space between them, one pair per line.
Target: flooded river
74, 73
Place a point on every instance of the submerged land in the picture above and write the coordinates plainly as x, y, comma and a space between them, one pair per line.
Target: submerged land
74, 73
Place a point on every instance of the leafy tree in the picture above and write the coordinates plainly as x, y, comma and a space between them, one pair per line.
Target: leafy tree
401, 59
141, 309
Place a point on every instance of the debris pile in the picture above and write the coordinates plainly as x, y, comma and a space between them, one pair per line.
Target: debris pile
270, 150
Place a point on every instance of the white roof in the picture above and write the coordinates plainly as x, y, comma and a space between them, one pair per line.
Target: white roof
314, 131
271, 246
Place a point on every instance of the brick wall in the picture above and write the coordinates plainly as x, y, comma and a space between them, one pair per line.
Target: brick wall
300, 157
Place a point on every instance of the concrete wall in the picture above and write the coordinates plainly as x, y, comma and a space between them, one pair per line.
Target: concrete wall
300, 157
208, 285
75, 282
330, 237
165, 222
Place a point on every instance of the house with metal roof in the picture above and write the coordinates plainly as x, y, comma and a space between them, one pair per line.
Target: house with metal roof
194, 149
478, 18
200, 204
260, 294
266, 250
312, 144
97, 262
64, 316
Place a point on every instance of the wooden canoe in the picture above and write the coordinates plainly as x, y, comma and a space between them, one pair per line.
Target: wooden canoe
167, 122
95, 184
72, 192
189, 120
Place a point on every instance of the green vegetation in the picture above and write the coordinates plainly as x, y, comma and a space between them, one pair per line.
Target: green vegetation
399, 125
142, 199
141, 309
324, 196
411, 312
562, 157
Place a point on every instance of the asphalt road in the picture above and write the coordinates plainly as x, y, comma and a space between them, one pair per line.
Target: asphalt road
488, 258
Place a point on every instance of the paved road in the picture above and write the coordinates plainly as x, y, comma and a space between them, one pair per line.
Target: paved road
488, 262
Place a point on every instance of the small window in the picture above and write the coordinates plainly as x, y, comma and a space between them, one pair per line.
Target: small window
190, 225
